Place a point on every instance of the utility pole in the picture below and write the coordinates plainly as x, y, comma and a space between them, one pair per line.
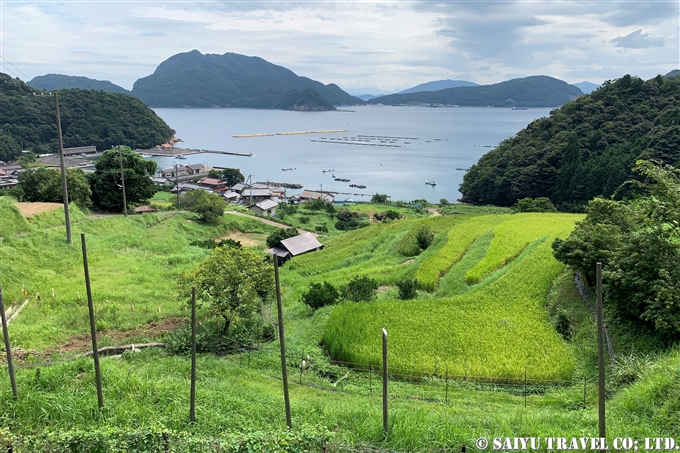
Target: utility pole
600, 353
122, 180
67, 216
250, 188
177, 185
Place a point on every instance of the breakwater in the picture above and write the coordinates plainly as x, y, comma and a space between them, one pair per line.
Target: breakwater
326, 131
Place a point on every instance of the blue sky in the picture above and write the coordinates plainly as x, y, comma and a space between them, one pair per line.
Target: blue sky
385, 46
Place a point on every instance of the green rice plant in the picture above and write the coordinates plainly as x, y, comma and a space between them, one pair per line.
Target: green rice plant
512, 236
11, 220
458, 240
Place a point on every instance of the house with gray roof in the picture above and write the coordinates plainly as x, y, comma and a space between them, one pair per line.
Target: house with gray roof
266, 207
295, 246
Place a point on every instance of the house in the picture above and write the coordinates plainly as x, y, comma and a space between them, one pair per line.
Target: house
143, 209
195, 169
159, 181
186, 187
313, 195
170, 172
295, 246
214, 184
238, 187
231, 197
7, 183
266, 207
80, 150
253, 195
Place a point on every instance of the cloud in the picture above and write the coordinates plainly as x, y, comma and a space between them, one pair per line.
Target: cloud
637, 40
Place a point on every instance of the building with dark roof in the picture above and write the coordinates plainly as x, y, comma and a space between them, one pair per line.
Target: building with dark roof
295, 246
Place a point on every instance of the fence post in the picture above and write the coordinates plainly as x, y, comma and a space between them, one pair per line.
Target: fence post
5, 332
302, 360
370, 379
385, 396
447, 384
284, 371
93, 327
192, 404
584, 391
600, 353
525, 389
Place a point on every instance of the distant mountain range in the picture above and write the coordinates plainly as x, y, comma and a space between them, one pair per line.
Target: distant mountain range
534, 91
437, 85
673, 73
586, 87
192, 79
58, 81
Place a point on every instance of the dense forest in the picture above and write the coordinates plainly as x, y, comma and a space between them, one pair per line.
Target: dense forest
58, 81
192, 79
308, 100
88, 117
534, 91
584, 149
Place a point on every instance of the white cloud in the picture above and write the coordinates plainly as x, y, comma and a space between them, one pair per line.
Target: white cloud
637, 40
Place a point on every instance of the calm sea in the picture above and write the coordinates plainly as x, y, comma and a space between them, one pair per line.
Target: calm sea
391, 150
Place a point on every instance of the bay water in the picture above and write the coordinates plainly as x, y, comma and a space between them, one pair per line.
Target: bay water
390, 150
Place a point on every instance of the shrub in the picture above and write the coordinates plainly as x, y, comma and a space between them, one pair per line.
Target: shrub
379, 198
407, 289
280, 235
268, 333
563, 325
322, 228
424, 237
360, 289
317, 204
444, 202
320, 294
540, 204
304, 220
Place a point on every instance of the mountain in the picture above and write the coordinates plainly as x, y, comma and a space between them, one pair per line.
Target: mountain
437, 85
673, 73
584, 149
308, 100
192, 79
534, 91
88, 117
51, 82
586, 87
367, 97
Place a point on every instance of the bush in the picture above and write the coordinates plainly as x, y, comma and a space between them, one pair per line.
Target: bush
349, 220
563, 325
321, 228
379, 198
424, 237
268, 333
360, 289
540, 204
444, 202
407, 289
392, 215
304, 220
280, 235
320, 294
317, 204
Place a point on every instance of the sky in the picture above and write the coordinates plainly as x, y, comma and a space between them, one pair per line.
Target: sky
363, 46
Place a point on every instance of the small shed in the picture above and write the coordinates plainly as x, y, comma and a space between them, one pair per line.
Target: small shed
295, 246
143, 209
266, 207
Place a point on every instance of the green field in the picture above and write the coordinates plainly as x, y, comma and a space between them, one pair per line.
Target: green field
494, 329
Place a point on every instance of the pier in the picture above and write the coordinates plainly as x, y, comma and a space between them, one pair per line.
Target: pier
326, 131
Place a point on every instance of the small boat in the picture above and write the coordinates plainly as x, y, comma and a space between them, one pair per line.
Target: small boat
180, 157
146, 156
325, 170
432, 183
287, 169
519, 108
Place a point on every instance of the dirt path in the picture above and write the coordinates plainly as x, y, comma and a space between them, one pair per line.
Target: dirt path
268, 222
434, 212
29, 209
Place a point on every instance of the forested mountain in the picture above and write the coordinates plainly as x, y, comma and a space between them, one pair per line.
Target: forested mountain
534, 91
308, 100
51, 82
585, 148
437, 85
88, 117
192, 79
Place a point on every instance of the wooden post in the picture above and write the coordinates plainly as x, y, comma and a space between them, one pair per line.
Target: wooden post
525, 389
600, 353
370, 379
5, 332
93, 327
192, 404
584, 391
385, 395
447, 384
122, 180
284, 371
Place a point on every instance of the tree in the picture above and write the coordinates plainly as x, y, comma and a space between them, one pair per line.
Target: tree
444, 202
231, 282
360, 289
44, 185
540, 204
210, 207
320, 294
280, 235
215, 174
379, 198
232, 176
424, 237
106, 181
407, 289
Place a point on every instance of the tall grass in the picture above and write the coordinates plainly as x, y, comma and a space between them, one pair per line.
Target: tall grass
11, 220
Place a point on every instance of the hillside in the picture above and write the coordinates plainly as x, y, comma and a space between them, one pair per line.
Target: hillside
534, 91
584, 149
51, 82
88, 117
437, 85
192, 79
308, 100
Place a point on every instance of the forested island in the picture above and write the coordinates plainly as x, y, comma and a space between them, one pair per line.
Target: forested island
534, 91
584, 149
58, 81
195, 80
88, 117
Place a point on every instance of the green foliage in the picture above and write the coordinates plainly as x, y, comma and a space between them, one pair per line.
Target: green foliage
444, 202
231, 282
210, 206
540, 204
105, 180
281, 234
88, 117
214, 174
638, 244
424, 237
407, 289
211, 244
232, 176
317, 204
584, 149
349, 220
379, 198
44, 185
308, 100
12, 220
304, 220
392, 214
321, 228
320, 294
360, 289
